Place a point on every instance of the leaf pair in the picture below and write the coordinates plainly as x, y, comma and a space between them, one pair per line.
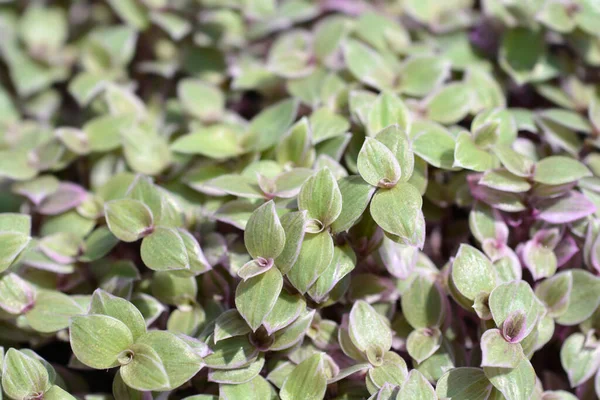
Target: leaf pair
25, 375
113, 333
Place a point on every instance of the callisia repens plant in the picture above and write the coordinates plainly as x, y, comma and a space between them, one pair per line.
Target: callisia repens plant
300, 199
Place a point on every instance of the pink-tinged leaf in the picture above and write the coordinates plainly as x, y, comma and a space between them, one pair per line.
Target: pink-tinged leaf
504, 201
514, 327
68, 196
497, 352
568, 208
539, 259
565, 250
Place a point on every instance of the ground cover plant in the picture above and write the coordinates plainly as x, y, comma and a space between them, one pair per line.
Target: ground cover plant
300, 200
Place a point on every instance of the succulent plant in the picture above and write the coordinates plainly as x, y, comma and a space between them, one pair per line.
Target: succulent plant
300, 199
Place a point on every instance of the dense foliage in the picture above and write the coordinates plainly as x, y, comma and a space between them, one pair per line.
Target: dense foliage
300, 200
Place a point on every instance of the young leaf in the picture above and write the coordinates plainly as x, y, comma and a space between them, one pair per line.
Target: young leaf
497, 352
320, 196
578, 360
164, 250
98, 340
422, 303
398, 212
294, 226
416, 387
264, 235
314, 258
104, 303
179, 360
128, 219
307, 380
558, 170
514, 383
23, 377
377, 164
256, 297
515, 296
368, 329
388, 110
472, 272
463, 384
257, 388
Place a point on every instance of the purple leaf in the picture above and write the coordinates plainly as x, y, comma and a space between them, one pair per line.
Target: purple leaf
68, 196
568, 208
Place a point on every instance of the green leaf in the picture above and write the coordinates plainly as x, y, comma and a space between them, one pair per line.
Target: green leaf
398, 212
578, 360
104, 303
368, 329
514, 383
23, 376
356, 195
497, 352
555, 292
237, 376
433, 143
145, 370
450, 104
128, 219
504, 181
342, 263
268, 127
320, 196
230, 324
416, 387
421, 74
326, 125
422, 303
516, 296
131, 12
256, 297
388, 110
472, 272
187, 320
148, 306
293, 333
12, 245
231, 353
146, 150
315, 255
286, 309
467, 155
307, 380
463, 384
393, 370
584, 298
396, 139
558, 170
368, 66
179, 360
57, 393
377, 164
257, 388
264, 235
294, 225
201, 99
423, 343
98, 340
219, 142
521, 52
52, 311
171, 287
16, 294
164, 250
